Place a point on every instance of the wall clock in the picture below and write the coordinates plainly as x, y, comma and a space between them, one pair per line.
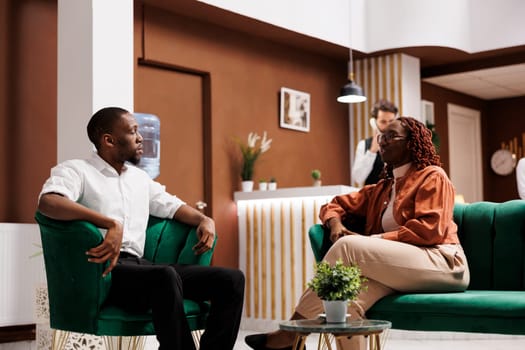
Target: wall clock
503, 162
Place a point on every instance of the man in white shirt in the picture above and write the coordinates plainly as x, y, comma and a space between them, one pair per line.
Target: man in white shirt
367, 162
118, 197
520, 177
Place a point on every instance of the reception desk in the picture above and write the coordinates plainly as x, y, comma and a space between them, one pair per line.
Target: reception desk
274, 249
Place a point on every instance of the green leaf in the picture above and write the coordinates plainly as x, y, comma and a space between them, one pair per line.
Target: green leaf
338, 282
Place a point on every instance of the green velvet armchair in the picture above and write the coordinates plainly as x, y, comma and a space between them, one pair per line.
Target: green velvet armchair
493, 237
77, 291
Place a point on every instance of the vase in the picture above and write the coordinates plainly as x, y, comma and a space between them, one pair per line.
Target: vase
272, 186
263, 186
247, 186
335, 310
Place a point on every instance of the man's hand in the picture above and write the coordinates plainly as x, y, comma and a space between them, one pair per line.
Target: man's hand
374, 146
338, 230
109, 249
206, 235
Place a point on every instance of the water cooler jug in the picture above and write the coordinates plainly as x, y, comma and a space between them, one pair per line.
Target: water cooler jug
149, 128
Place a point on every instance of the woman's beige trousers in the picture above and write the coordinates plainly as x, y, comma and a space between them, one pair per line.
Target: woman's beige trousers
391, 266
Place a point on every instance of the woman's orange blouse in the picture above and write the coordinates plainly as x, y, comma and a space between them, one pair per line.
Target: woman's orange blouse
423, 207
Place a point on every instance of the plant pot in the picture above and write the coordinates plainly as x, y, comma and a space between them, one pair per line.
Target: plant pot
247, 186
263, 186
317, 183
272, 186
335, 311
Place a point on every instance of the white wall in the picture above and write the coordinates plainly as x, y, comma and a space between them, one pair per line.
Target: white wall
373, 25
21, 271
496, 24
392, 24
327, 20
95, 67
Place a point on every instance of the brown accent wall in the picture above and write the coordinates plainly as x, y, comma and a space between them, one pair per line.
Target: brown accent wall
501, 120
246, 75
441, 98
506, 122
29, 92
4, 109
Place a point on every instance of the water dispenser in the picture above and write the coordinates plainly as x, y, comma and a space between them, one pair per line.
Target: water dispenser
149, 128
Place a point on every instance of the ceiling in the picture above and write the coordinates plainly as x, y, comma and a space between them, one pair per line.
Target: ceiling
488, 75
487, 84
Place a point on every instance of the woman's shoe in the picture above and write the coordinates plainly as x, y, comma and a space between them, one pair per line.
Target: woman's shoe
258, 342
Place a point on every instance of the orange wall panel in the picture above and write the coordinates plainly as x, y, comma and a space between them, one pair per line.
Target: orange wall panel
246, 76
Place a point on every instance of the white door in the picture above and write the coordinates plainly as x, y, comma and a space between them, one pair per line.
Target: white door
464, 144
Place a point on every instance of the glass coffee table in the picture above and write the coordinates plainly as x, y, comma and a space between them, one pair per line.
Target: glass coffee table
303, 328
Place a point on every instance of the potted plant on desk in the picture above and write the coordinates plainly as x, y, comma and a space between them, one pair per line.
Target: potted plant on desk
316, 176
250, 152
272, 185
336, 285
263, 185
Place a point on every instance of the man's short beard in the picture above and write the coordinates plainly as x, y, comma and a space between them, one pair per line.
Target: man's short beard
134, 160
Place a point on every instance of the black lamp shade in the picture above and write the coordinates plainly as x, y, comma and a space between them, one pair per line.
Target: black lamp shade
351, 93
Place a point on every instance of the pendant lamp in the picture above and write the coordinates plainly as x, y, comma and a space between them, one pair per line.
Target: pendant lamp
351, 92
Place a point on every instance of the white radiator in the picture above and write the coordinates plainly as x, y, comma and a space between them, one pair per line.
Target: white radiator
21, 271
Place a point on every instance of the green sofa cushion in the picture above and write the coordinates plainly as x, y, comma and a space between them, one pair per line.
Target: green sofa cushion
486, 311
493, 237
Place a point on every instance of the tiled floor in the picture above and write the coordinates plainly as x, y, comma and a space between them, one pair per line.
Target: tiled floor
397, 340
404, 340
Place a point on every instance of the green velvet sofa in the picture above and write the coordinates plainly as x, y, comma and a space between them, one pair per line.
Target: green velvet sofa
493, 237
77, 291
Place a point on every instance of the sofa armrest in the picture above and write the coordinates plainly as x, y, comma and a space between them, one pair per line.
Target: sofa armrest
175, 244
319, 241
188, 256
76, 287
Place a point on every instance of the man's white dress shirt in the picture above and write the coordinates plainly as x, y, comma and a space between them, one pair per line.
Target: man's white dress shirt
363, 164
129, 197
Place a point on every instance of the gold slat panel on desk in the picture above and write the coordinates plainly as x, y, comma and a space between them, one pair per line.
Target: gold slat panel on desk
275, 255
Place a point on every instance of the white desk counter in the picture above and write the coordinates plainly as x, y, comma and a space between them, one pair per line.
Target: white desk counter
274, 249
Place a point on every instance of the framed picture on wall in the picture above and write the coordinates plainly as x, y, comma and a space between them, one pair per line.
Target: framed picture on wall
295, 110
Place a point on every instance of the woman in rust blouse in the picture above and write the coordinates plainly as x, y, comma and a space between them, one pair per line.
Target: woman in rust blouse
409, 240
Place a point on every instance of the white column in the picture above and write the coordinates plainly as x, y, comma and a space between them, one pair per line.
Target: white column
411, 86
95, 67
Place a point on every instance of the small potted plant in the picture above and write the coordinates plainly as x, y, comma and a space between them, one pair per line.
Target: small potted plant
250, 153
272, 185
263, 185
336, 285
316, 176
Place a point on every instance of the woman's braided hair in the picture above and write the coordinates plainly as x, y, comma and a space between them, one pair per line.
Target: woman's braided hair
419, 142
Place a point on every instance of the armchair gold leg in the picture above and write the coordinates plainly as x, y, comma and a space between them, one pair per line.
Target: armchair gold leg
196, 335
125, 343
59, 340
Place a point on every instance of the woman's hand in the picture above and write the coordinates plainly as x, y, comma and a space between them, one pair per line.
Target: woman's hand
338, 230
